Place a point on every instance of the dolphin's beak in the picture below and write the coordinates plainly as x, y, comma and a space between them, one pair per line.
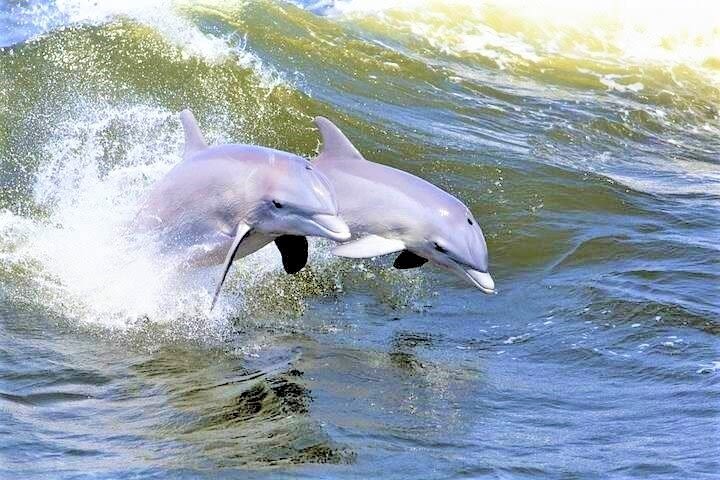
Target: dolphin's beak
331, 226
481, 280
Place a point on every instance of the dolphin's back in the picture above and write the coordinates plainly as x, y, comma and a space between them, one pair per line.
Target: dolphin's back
207, 192
401, 201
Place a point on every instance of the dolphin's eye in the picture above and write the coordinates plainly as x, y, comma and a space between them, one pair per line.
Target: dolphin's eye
277, 204
439, 248
307, 167
470, 222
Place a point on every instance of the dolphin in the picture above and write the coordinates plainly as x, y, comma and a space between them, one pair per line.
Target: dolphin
389, 210
224, 202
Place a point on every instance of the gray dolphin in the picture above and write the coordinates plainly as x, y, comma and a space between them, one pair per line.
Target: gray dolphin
227, 201
389, 211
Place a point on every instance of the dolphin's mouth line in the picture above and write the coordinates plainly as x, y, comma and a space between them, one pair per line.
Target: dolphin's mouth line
481, 287
335, 228
480, 278
328, 229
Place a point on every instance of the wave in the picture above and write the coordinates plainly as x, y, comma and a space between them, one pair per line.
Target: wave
78, 260
665, 31
474, 96
166, 17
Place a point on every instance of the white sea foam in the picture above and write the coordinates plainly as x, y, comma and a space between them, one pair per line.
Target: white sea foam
674, 176
160, 14
611, 82
508, 31
80, 261
80, 255
169, 18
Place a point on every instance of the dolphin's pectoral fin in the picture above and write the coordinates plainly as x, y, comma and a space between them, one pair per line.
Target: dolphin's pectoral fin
407, 259
194, 141
370, 246
294, 252
241, 234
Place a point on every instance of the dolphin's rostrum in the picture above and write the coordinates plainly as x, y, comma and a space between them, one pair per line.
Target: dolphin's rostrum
227, 201
389, 210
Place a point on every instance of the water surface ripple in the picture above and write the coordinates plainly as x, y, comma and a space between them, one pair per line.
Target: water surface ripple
588, 146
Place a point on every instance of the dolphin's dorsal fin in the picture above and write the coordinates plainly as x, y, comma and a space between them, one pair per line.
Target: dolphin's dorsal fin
334, 143
194, 141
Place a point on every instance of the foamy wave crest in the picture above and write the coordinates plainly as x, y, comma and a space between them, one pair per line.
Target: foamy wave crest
160, 14
663, 31
82, 262
171, 19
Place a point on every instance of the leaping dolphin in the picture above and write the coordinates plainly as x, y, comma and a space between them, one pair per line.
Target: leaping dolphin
389, 210
227, 201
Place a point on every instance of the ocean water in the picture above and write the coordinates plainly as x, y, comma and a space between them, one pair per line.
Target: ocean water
584, 136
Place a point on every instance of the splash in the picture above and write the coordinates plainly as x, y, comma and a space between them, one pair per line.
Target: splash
171, 19
82, 262
86, 264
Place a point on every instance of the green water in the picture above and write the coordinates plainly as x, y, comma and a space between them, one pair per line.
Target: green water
586, 146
